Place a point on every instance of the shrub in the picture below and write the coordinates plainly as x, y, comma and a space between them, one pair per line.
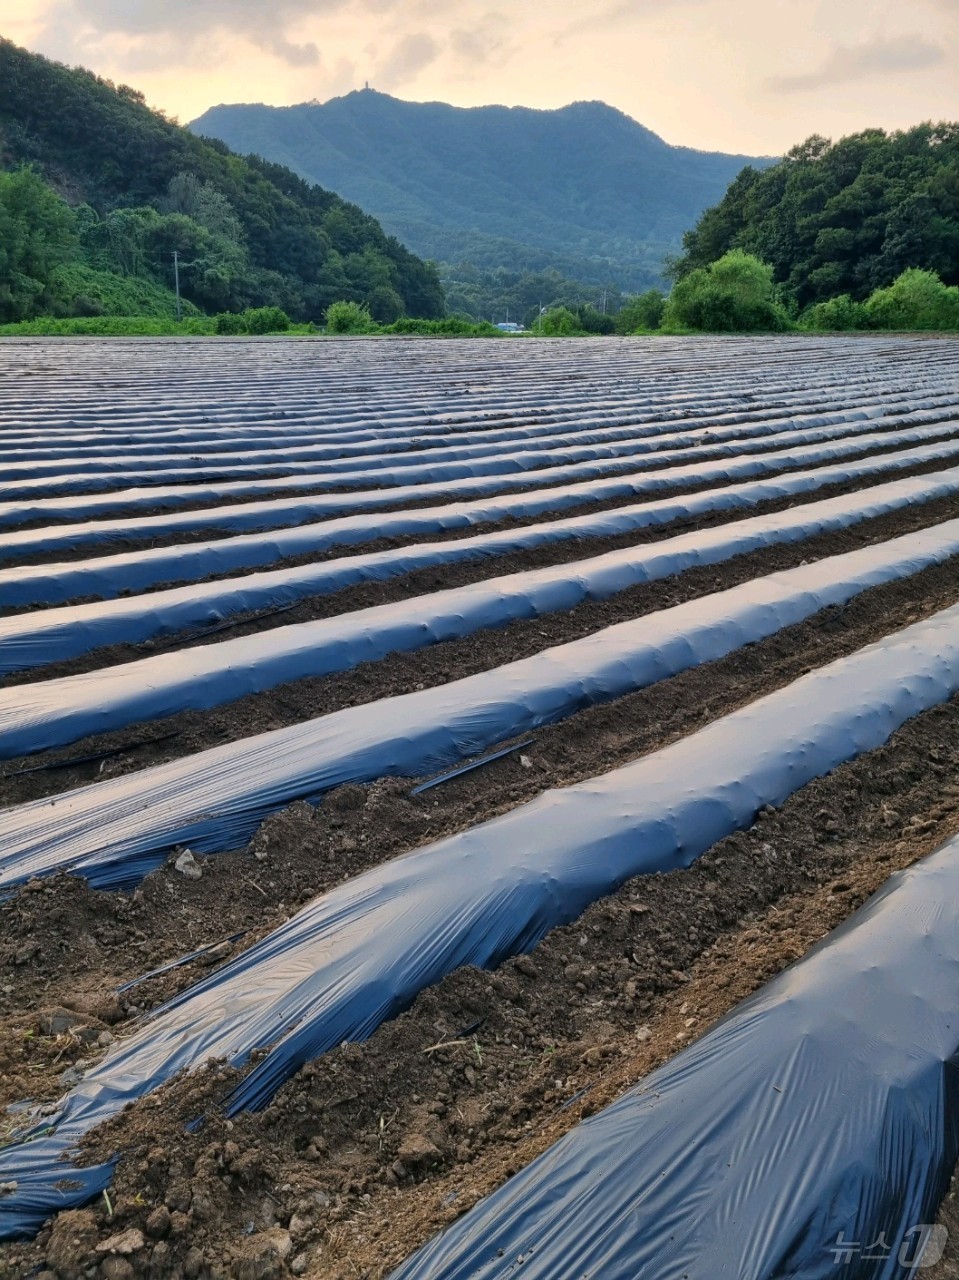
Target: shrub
349, 317
644, 311
407, 324
559, 323
89, 291
385, 305
735, 294
916, 300
592, 320
109, 326
266, 320
841, 313
84, 305
229, 323
450, 327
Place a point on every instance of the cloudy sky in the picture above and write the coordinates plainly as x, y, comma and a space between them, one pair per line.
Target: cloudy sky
752, 76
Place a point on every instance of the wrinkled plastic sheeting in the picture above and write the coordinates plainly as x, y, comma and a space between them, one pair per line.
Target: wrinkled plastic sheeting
115, 832
824, 1109
531, 410
55, 583
14, 513
53, 713
386, 384
516, 454
345, 432
429, 405
44, 586
410, 435
634, 452
346, 453
407, 435
361, 953
32, 640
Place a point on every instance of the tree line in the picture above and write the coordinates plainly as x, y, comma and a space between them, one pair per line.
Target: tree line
140, 186
97, 193
843, 218
737, 294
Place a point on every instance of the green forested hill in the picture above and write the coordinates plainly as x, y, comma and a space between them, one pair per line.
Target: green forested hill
843, 218
584, 190
250, 233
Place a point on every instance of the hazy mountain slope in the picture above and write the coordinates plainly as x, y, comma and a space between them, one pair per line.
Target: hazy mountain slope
586, 183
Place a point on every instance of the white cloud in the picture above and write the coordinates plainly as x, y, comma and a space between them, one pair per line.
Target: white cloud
405, 60
855, 62
695, 71
168, 32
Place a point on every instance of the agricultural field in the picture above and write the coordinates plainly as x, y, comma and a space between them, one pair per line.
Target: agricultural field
509, 788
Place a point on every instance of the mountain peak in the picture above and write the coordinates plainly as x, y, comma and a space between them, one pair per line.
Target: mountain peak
582, 187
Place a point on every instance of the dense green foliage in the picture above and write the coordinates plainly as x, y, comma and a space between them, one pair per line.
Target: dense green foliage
642, 313
559, 322
266, 320
584, 190
520, 296
228, 324
734, 294
842, 218
260, 320
60, 262
916, 300
253, 320
448, 327
83, 290
348, 317
249, 233
36, 236
839, 314
737, 294
108, 327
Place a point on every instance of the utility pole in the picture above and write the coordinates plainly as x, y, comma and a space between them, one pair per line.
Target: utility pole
176, 276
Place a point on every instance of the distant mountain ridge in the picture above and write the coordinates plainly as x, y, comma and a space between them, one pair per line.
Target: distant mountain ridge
584, 188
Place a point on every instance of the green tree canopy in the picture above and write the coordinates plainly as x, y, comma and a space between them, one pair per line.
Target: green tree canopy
846, 217
348, 317
841, 313
37, 234
645, 311
559, 322
916, 300
259, 234
735, 294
